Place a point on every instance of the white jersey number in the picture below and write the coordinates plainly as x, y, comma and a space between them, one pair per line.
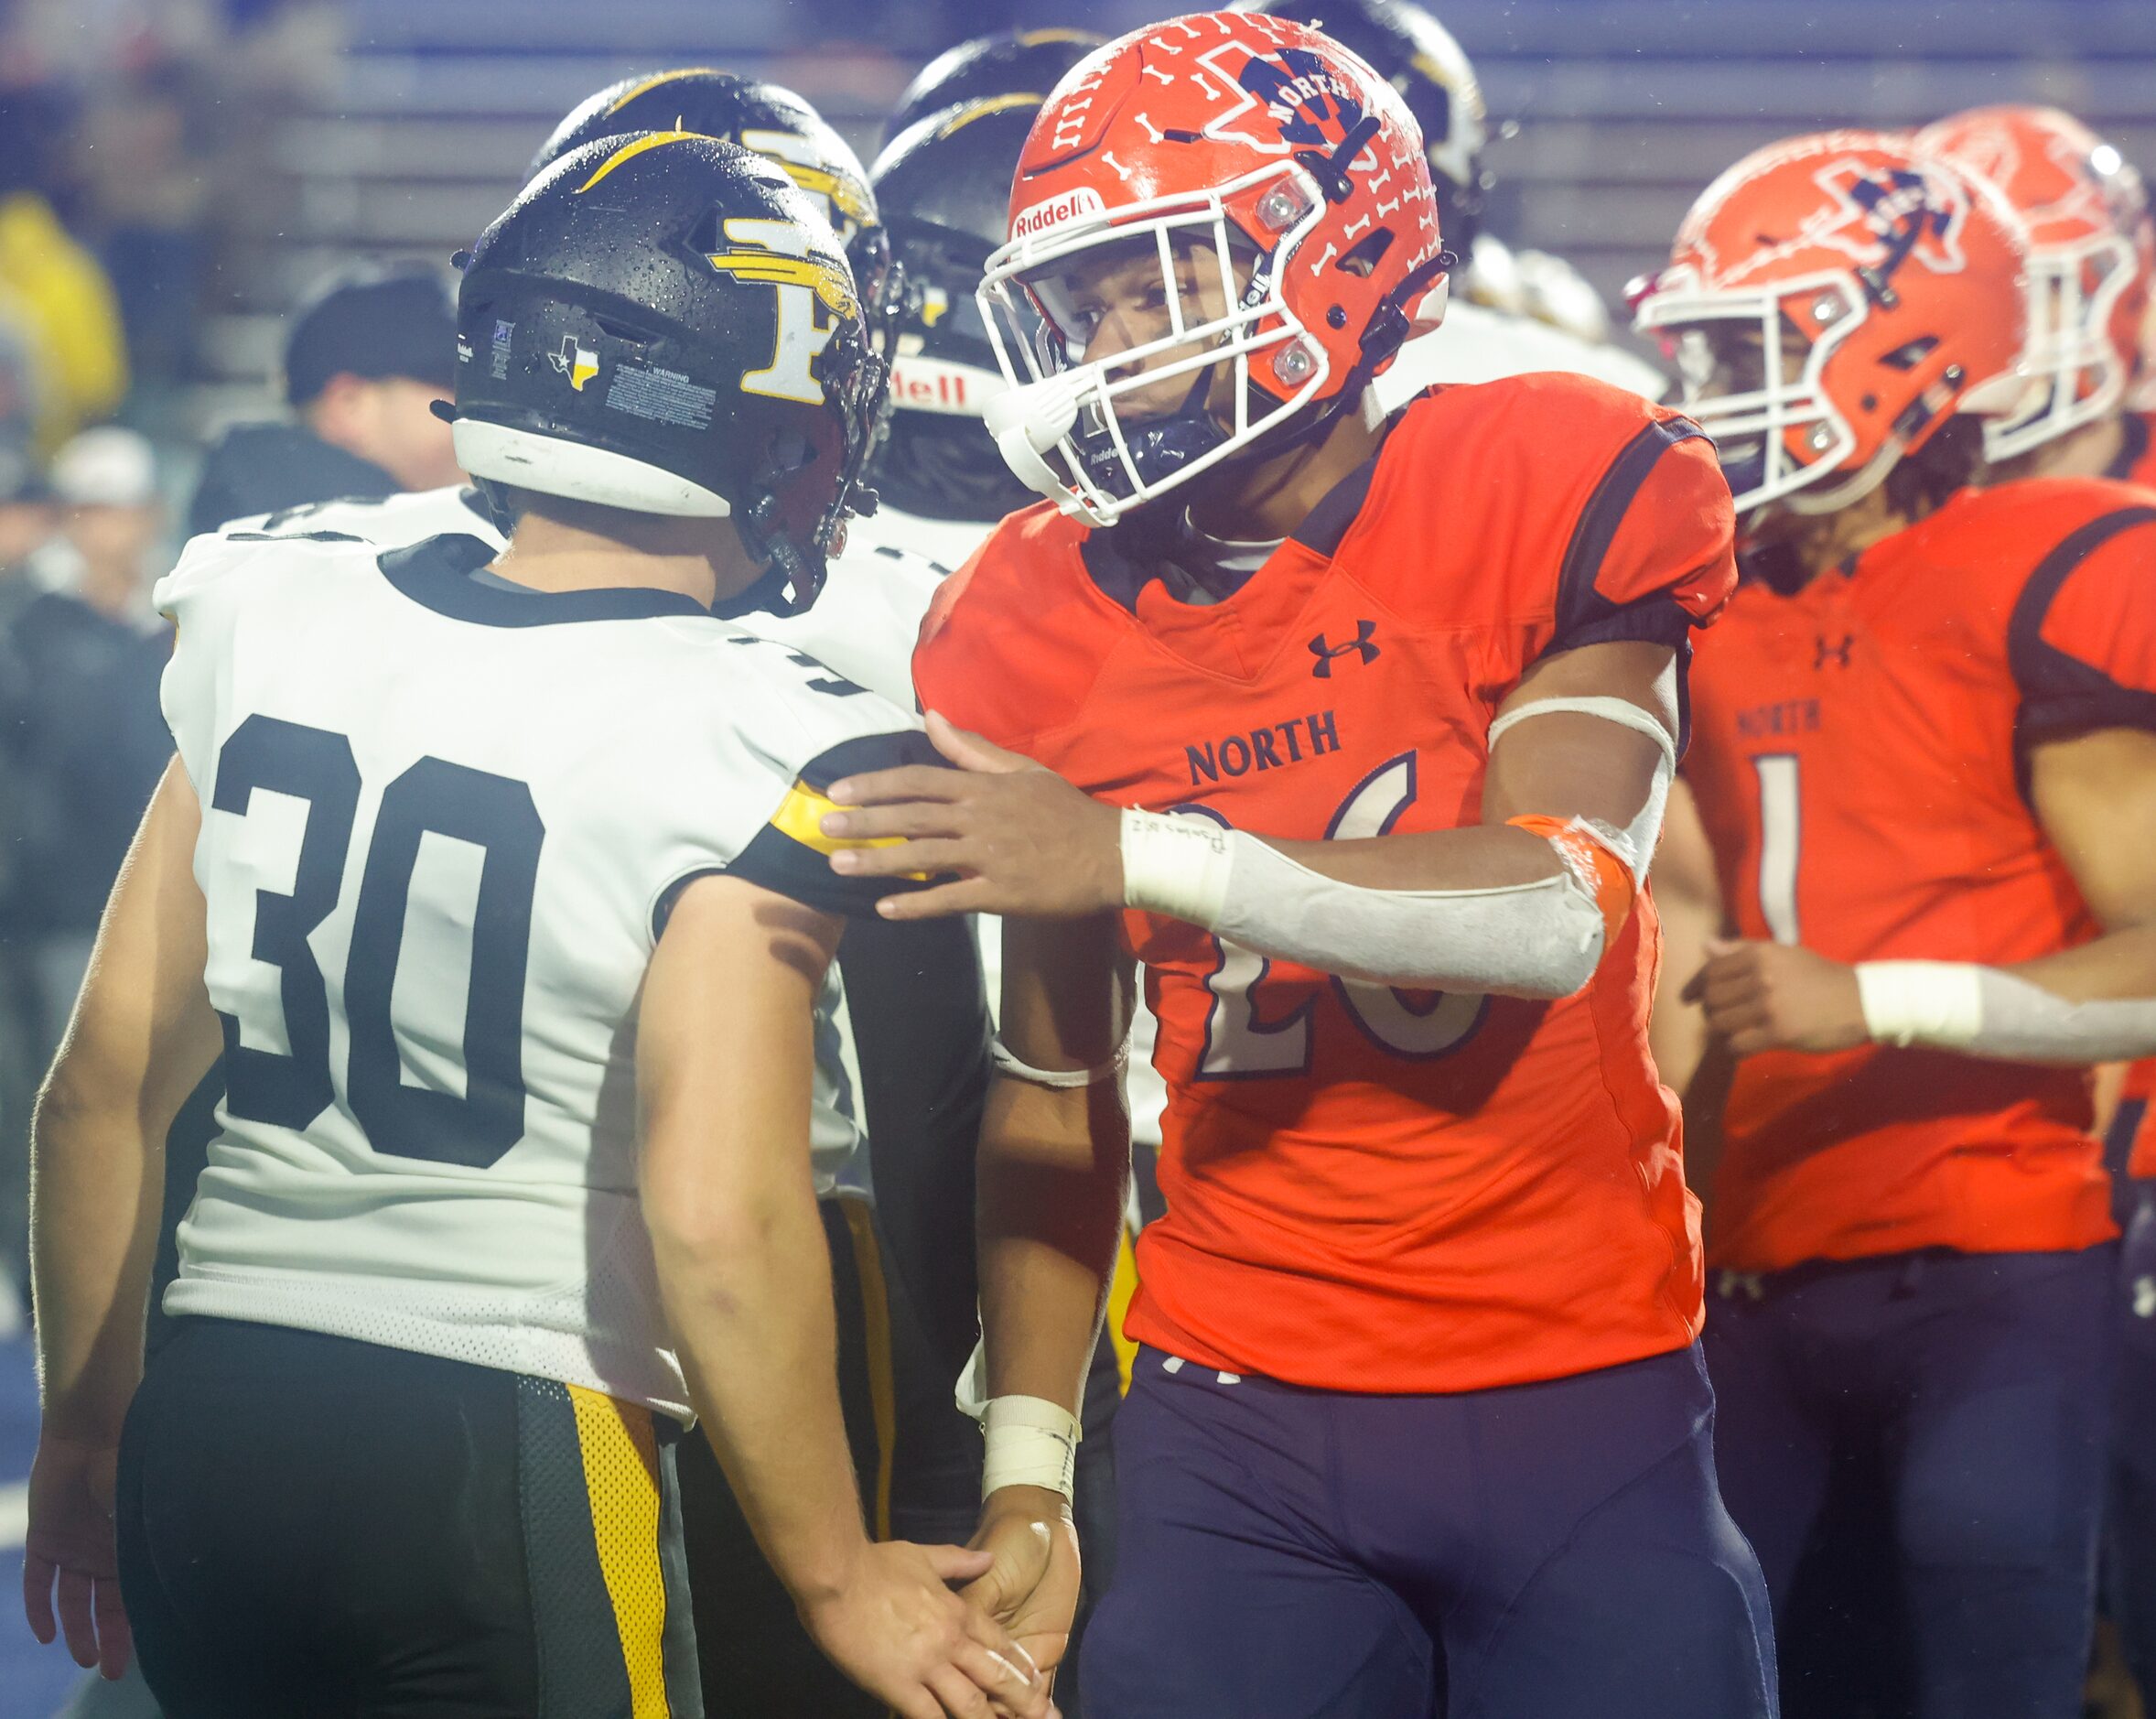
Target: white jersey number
1239, 1043
1781, 828
491, 813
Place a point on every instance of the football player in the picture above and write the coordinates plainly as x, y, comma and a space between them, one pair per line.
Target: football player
944, 186
1507, 314
901, 1021
1921, 760
496, 877
2094, 249
1426, 1217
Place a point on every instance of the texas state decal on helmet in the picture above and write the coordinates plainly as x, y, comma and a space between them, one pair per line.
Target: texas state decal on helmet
1221, 229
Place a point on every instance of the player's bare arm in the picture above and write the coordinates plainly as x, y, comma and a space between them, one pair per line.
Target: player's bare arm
143, 1034
1570, 807
1054, 1160
724, 1070
1687, 899
2094, 794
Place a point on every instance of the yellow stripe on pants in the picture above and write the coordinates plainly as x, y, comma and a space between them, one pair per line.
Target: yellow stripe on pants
621, 1478
1121, 1288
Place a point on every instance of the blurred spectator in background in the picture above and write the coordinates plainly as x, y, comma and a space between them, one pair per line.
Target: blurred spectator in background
27, 520
364, 362
112, 523
53, 292
146, 192
81, 742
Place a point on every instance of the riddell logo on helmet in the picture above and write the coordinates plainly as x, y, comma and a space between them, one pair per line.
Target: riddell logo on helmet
1057, 210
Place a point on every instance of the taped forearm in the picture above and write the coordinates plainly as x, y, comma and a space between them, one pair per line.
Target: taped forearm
1983, 1011
1540, 939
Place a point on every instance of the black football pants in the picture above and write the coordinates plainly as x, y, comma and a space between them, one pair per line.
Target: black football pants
312, 1528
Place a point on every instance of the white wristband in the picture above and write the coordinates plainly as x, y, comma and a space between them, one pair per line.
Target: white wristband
1178, 864
1030, 1441
1936, 1003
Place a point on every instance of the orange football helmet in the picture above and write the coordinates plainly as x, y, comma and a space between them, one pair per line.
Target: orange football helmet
2092, 251
1885, 290
1272, 193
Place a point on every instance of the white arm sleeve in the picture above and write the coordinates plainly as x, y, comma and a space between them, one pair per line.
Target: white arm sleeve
1542, 939
1982, 1012
1539, 939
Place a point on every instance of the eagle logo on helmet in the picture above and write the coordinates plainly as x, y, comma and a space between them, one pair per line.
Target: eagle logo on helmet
1882, 217
774, 268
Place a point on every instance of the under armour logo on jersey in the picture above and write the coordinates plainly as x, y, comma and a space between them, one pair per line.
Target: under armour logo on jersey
1360, 644
1835, 650
2144, 1298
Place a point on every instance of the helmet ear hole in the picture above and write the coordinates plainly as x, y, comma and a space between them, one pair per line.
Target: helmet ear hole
1362, 258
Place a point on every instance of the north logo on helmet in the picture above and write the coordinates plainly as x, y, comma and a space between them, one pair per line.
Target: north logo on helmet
1072, 204
1883, 217
1302, 96
1298, 101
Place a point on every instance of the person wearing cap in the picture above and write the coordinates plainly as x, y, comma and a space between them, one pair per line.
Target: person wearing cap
111, 522
364, 360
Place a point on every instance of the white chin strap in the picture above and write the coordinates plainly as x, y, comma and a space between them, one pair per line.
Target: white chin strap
1028, 419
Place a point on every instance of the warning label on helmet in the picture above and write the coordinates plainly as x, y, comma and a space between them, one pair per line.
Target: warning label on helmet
664, 397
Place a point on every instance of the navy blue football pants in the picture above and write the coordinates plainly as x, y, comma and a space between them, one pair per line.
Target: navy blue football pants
1977, 1386
1555, 1551
2131, 1587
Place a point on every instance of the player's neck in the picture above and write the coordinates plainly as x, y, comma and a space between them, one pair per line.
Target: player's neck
1807, 545
583, 549
2088, 452
1269, 500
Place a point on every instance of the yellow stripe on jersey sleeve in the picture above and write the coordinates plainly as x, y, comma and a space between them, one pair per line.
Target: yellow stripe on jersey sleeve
801, 816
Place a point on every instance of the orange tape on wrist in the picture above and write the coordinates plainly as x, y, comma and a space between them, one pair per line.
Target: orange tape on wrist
1594, 865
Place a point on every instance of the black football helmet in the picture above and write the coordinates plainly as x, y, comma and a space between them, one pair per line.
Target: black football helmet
662, 322
944, 184
1416, 54
1023, 62
777, 124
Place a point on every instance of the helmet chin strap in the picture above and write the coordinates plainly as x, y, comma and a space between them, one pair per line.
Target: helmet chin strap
791, 575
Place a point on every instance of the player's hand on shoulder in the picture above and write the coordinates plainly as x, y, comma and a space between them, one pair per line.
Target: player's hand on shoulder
1032, 1587
70, 1540
894, 1624
1775, 997
1012, 837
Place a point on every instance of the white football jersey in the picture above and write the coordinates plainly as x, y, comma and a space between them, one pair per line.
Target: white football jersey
389, 521
1477, 345
396, 522
442, 822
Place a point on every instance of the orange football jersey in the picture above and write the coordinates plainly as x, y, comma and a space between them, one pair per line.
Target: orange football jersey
1370, 1189
1857, 755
